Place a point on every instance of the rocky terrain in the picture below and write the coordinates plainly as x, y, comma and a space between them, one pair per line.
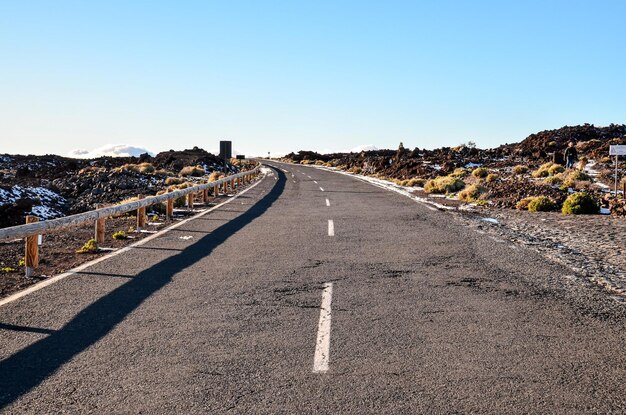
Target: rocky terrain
51, 186
507, 175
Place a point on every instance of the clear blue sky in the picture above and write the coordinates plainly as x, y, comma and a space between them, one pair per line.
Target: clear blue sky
289, 75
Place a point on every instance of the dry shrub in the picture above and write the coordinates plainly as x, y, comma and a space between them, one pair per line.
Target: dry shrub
459, 172
523, 204
492, 177
472, 193
144, 168
195, 171
173, 181
444, 184
91, 170
215, 176
480, 172
573, 177
163, 172
545, 169
520, 169
416, 181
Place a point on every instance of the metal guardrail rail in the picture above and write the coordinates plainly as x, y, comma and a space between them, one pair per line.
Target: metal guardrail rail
39, 228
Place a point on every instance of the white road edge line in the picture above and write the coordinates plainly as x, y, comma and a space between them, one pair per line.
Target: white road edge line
327, 202
322, 346
331, 227
78, 269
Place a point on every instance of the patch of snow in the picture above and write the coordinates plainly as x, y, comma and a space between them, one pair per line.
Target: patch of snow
6, 197
491, 220
605, 211
472, 165
590, 168
185, 238
111, 150
45, 212
436, 167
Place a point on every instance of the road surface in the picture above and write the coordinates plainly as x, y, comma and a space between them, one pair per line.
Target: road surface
313, 292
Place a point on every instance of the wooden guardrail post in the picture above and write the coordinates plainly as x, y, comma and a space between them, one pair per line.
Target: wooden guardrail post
190, 200
31, 257
232, 185
141, 215
169, 208
205, 196
99, 229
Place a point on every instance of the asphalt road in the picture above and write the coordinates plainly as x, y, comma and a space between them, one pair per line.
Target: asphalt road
264, 306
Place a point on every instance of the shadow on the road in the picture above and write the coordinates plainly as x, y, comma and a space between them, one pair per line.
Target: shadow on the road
13, 327
27, 368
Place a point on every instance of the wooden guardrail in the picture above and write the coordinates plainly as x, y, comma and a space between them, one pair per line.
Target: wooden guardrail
33, 227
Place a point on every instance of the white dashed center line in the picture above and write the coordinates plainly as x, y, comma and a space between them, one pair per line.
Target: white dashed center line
315, 181
327, 202
322, 347
331, 227
321, 188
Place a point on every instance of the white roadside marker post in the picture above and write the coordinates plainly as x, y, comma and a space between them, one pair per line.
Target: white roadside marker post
617, 150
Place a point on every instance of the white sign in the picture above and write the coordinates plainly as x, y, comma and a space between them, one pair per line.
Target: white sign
619, 150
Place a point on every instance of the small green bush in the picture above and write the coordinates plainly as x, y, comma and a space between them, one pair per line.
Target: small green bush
492, 177
89, 247
544, 169
21, 262
480, 172
120, 235
573, 177
541, 204
444, 184
472, 193
580, 204
556, 169
7, 269
520, 169
553, 180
